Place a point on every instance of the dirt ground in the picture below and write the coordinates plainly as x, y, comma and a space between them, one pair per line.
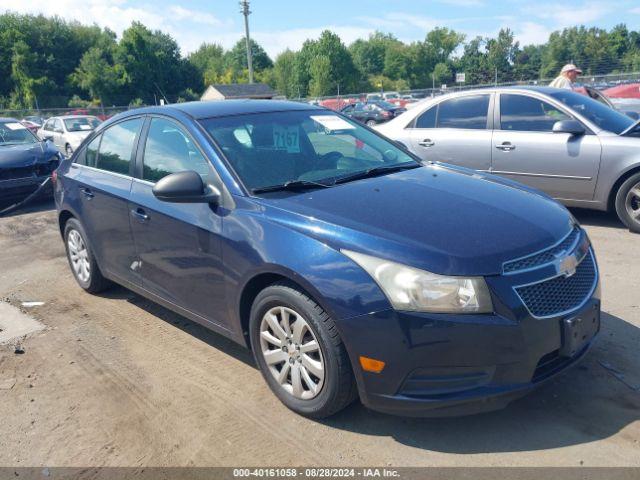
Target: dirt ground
117, 380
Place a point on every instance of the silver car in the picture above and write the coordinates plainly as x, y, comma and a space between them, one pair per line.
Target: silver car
67, 132
574, 148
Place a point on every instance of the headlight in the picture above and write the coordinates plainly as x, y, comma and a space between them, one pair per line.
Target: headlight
411, 289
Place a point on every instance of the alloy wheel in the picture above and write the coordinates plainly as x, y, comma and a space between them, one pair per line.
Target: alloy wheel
632, 203
292, 353
79, 256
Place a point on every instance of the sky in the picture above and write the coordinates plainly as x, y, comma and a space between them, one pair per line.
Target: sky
281, 24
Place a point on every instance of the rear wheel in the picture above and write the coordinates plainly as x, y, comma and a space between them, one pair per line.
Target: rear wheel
299, 352
81, 259
628, 203
371, 123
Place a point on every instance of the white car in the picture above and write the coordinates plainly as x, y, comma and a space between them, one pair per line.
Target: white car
68, 132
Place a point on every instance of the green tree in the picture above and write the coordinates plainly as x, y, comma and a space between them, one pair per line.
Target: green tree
320, 70
236, 58
284, 72
208, 61
97, 75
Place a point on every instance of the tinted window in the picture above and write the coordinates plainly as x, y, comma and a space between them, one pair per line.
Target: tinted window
48, 125
299, 145
427, 119
117, 146
464, 112
91, 152
169, 150
528, 114
601, 115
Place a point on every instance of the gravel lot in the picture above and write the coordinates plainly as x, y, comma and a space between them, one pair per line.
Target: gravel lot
117, 380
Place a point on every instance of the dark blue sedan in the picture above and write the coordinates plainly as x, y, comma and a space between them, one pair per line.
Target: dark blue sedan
25, 161
348, 267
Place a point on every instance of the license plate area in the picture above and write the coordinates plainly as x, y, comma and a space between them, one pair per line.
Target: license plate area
578, 330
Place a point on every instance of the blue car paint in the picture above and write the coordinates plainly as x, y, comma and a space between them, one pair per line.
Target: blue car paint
29, 166
200, 260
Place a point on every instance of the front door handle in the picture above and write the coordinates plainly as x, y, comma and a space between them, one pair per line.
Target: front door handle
87, 193
140, 214
427, 142
506, 146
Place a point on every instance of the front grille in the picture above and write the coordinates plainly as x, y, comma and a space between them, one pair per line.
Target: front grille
546, 256
560, 294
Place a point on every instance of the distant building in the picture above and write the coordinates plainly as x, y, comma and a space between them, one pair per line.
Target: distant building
238, 90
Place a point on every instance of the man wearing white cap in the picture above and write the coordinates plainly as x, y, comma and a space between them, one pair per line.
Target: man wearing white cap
567, 76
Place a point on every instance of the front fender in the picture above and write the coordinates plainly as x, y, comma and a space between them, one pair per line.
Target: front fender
254, 245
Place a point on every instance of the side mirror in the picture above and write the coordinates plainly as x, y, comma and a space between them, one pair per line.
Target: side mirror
185, 187
572, 127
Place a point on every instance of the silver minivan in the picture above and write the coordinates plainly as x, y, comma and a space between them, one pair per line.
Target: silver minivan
577, 150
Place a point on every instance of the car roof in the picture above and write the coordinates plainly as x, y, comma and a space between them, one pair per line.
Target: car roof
223, 108
71, 117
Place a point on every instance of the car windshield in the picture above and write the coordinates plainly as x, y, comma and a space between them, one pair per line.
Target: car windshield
81, 124
385, 105
14, 133
604, 117
270, 149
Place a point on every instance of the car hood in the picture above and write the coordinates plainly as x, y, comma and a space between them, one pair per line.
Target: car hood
441, 219
77, 137
16, 156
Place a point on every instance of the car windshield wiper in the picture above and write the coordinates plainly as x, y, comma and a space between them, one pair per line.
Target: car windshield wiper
291, 185
374, 171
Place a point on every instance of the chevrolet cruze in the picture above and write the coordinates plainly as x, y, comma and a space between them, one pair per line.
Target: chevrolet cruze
349, 268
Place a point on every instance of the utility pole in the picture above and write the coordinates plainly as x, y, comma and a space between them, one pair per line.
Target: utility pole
244, 5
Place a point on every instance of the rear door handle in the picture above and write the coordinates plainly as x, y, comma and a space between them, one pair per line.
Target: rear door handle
87, 192
140, 214
427, 142
506, 146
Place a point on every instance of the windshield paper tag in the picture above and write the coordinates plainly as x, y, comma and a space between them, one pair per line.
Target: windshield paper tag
332, 122
85, 127
286, 138
15, 126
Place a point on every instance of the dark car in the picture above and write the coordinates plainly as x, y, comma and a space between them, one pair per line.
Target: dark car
347, 266
373, 112
25, 161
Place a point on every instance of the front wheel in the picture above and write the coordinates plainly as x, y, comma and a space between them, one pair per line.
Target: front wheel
68, 150
371, 123
628, 203
299, 352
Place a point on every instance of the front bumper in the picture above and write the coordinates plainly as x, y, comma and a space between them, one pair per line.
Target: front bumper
443, 365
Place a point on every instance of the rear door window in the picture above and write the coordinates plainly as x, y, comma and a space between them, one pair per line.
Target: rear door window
116, 148
464, 112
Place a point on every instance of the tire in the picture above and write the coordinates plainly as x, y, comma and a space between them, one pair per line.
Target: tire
68, 150
79, 254
371, 123
628, 203
336, 388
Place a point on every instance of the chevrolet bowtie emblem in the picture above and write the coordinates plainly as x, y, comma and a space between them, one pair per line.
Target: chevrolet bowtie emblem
566, 266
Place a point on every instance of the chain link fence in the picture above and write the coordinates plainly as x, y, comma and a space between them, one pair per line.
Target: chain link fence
600, 82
